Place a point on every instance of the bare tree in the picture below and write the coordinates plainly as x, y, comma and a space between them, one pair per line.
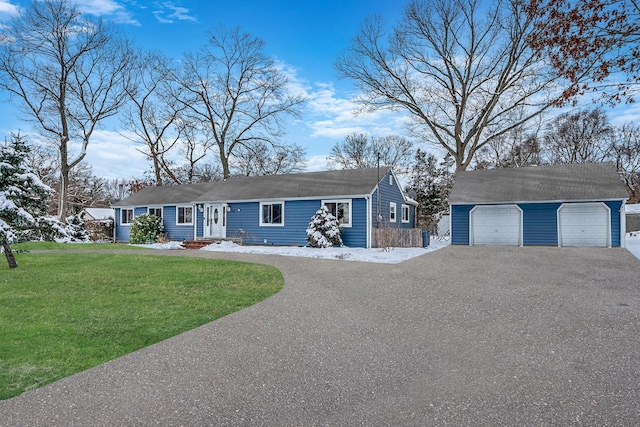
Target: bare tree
260, 160
461, 69
151, 115
627, 157
233, 87
579, 137
66, 72
359, 151
514, 149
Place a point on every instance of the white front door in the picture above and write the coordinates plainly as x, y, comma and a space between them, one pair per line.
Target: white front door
215, 221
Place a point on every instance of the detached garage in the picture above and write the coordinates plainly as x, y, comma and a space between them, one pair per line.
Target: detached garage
557, 205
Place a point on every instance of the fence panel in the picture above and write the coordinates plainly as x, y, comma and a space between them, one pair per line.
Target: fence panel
396, 238
633, 222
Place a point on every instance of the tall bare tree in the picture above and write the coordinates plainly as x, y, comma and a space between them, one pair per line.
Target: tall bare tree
579, 137
260, 160
66, 72
514, 149
626, 151
461, 69
233, 87
151, 115
358, 151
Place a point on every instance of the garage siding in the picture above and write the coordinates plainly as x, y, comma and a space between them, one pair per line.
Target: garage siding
460, 224
615, 221
540, 223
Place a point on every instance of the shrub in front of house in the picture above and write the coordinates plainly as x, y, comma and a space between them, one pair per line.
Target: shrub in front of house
145, 229
324, 230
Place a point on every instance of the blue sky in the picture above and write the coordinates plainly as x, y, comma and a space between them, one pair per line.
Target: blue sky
304, 37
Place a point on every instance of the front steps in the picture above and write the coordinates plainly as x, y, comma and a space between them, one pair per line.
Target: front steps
199, 244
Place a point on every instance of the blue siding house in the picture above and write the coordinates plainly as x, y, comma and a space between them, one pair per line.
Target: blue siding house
274, 209
556, 205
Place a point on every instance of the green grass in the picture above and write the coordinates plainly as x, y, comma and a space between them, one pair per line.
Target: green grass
61, 313
49, 246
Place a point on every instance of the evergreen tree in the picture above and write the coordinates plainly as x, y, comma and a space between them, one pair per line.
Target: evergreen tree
324, 230
431, 183
23, 197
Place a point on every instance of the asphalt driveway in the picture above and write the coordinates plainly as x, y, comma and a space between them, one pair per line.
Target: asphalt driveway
460, 336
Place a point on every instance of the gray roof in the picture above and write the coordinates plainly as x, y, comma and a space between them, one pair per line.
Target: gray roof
575, 182
355, 182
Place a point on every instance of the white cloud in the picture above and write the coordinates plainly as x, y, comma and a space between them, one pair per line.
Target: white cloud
335, 116
113, 156
108, 8
8, 10
168, 13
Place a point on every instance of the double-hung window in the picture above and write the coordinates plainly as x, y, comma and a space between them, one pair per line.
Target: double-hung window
405, 213
155, 211
392, 212
184, 215
126, 216
272, 213
341, 209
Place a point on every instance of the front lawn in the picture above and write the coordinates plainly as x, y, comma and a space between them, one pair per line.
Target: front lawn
61, 313
58, 246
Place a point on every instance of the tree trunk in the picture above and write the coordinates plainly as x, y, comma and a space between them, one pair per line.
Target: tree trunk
62, 195
9, 254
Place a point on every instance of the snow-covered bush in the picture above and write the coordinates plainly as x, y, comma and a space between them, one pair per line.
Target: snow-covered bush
324, 230
75, 230
145, 229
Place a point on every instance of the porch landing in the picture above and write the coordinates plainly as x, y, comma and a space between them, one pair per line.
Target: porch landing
201, 243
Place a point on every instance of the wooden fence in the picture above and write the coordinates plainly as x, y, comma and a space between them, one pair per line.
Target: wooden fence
633, 222
396, 238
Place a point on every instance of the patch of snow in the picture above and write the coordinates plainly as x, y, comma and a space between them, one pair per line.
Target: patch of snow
392, 256
162, 246
633, 243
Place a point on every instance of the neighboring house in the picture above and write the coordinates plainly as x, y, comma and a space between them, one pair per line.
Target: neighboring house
98, 214
274, 209
557, 205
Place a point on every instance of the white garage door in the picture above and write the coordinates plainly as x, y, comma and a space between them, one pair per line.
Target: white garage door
584, 224
496, 225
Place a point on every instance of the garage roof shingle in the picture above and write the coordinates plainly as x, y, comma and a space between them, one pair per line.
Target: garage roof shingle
573, 182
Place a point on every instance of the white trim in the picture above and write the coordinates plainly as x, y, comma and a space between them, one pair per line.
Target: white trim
402, 209
290, 199
193, 213
369, 221
349, 201
521, 225
507, 202
393, 209
133, 215
623, 225
607, 208
268, 224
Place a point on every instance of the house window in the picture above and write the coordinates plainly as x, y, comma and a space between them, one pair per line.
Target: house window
184, 215
155, 211
126, 216
392, 212
405, 213
272, 213
341, 209
390, 179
